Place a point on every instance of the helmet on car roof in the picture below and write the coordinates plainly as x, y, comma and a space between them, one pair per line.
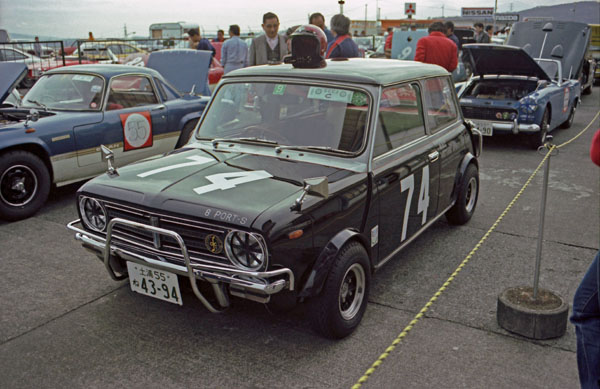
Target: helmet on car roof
309, 44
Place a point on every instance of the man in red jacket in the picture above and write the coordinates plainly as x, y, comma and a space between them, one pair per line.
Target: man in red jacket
437, 49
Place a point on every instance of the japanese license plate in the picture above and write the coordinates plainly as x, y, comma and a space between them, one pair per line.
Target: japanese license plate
154, 283
486, 128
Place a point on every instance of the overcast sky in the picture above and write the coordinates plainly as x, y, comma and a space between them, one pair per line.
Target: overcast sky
106, 18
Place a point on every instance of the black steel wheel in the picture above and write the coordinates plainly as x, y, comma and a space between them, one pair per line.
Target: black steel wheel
569, 122
537, 140
466, 201
24, 184
338, 310
186, 133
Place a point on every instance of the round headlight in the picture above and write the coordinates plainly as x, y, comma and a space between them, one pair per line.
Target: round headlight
246, 250
93, 213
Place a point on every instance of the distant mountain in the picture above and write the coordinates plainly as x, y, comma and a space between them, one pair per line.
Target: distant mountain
584, 12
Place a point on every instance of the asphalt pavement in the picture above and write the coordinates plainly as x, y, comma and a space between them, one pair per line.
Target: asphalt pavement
65, 323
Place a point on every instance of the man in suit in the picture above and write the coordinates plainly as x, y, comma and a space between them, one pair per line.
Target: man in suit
269, 47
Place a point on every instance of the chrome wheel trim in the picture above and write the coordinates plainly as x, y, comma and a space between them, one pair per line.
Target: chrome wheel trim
352, 291
27, 176
471, 196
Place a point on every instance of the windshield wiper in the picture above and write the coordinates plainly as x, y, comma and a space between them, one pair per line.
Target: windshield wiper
279, 149
38, 104
215, 142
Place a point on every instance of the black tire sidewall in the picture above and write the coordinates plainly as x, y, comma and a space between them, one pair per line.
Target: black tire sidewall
326, 314
12, 158
459, 214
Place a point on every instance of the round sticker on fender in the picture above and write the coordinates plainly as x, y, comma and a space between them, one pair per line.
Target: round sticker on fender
566, 100
137, 130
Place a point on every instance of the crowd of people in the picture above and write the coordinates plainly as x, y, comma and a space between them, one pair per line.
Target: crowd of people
272, 47
441, 47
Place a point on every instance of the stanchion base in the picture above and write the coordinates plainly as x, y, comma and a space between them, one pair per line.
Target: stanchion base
543, 318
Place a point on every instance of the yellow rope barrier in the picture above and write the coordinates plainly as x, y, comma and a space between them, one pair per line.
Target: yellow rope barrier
425, 308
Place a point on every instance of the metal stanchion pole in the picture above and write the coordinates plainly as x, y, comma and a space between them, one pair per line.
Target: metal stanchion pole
538, 255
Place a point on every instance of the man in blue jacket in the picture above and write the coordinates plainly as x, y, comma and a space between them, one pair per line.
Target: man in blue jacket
199, 42
342, 46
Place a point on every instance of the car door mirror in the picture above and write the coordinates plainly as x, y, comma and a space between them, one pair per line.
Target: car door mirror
557, 52
548, 27
317, 186
109, 157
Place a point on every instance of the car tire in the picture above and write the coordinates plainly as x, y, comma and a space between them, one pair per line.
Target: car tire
333, 315
538, 139
466, 200
186, 133
569, 122
24, 184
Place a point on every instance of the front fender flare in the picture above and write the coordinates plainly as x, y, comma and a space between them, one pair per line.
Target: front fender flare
322, 266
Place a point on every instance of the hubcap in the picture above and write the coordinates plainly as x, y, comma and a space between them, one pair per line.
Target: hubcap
471, 196
352, 291
18, 185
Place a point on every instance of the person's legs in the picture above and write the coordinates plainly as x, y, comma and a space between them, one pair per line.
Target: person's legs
586, 318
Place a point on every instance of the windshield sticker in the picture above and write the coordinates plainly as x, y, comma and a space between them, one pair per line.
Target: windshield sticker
81, 77
359, 99
330, 94
137, 130
96, 88
279, 89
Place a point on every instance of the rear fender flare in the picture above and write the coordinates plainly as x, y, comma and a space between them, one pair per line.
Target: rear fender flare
466, 161
320, 270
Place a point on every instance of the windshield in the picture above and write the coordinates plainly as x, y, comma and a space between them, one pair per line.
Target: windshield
550, 67
289, 114
66, 92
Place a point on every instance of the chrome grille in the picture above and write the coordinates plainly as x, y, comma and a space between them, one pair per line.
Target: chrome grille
485, 113
192, 232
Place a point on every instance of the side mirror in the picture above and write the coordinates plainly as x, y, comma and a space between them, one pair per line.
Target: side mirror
33, 116
318, 186
548, 27
109, 156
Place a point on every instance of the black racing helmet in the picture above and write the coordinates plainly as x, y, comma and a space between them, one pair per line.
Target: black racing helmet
309, 44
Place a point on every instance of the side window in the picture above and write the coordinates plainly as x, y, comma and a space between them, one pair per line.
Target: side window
127, 49
441, 105
130, 91
400, 118
167, 91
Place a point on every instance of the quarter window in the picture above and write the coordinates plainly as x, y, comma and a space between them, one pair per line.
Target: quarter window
130, 91
400, 118
441, 105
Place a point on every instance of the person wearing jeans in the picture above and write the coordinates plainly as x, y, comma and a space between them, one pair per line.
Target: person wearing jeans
586, 311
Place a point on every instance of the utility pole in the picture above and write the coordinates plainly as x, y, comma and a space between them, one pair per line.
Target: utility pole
366, 19
495, 10
125, 30
341, 3
443, 5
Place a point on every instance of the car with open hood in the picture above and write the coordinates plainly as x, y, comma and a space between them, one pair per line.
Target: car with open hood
541, 39
297, 185
512, 93
54, 135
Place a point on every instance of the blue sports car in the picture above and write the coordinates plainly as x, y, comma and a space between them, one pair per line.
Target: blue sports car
54, 137
512, 93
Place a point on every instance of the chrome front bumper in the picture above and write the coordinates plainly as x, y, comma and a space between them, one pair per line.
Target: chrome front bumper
257, 286
515, 127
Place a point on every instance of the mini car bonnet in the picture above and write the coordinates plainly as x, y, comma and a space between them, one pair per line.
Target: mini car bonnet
502, 60
12, 74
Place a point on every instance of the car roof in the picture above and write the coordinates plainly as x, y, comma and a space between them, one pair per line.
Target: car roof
358, 70
106, 70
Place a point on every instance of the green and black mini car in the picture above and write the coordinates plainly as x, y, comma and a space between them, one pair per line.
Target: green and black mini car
297, 185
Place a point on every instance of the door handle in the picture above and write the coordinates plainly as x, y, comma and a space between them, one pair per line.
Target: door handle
433, 156
158, 108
